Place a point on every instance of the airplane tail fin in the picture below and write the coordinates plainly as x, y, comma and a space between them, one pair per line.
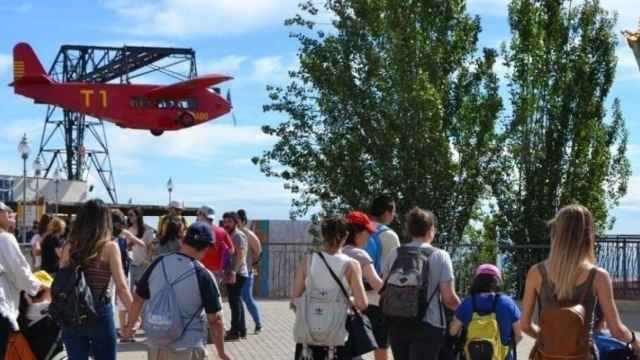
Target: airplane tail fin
27, 69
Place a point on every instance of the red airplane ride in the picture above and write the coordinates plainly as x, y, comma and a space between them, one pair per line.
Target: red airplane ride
149, 107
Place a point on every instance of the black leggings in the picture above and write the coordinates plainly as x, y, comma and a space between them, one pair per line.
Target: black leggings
5, 331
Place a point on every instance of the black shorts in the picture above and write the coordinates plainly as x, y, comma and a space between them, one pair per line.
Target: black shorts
380, 330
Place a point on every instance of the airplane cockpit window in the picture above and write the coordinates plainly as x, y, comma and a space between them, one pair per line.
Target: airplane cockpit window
139, 102
167, 104
188, 104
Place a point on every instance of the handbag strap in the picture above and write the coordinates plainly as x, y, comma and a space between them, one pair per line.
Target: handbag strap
335, 277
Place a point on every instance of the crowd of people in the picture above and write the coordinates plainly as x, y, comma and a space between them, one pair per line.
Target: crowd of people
363, 291
407, 292
125, 262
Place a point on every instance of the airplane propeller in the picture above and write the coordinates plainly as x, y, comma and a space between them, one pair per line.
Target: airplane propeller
233, 114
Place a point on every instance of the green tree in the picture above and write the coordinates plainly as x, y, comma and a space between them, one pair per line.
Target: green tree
559, 144
394, 97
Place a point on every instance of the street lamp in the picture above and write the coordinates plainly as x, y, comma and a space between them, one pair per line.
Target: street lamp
56, 180
170, 188
24, 149
37, 169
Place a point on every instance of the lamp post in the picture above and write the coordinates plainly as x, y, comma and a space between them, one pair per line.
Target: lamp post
56, 180
24, 149
170, 188
37, 169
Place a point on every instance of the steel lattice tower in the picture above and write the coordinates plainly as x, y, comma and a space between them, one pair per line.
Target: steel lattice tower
99, 64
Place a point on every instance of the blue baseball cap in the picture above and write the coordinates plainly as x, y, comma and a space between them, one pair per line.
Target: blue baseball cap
199, 233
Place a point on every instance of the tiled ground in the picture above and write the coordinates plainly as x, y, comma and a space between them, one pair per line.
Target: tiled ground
276, 340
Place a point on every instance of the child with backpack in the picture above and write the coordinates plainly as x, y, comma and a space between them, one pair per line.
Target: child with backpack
492, 319
566, 288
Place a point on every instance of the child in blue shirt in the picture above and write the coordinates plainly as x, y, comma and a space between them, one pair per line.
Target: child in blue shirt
485, 290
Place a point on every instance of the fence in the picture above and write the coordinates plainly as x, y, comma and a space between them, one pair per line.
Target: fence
618, 254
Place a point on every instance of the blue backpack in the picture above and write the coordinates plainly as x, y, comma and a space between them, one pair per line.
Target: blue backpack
374, 247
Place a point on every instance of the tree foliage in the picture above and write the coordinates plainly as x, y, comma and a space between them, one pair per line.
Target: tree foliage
559, 145
393, 97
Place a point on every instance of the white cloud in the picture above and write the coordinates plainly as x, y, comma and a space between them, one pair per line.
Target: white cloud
185, 18
197, 143
227, 65
5, 63
273, 69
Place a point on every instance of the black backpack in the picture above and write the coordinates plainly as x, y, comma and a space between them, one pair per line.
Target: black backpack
403, 297
72, 303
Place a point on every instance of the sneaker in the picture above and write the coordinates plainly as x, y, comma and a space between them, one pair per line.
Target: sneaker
243, 335
231, 336
257, 330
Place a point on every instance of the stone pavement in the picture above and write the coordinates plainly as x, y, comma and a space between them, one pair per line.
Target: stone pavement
276, 340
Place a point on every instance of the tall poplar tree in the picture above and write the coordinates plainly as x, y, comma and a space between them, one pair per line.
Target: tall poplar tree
560, 143
394, 97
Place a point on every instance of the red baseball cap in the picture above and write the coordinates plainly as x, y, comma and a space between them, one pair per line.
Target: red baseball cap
360, 218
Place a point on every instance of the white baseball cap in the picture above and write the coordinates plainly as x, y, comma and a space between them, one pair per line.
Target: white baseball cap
208, 212
176, 205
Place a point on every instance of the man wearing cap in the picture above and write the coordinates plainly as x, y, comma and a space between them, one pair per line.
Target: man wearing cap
15, 276
175, 209
198, 293
213, 259
485, 297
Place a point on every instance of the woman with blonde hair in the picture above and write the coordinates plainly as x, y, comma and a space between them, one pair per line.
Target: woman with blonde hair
51, 246
570, 276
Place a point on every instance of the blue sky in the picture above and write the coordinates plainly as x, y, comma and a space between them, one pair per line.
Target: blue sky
210, 164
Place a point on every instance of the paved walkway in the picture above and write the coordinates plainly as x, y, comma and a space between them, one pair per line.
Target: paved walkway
276, 340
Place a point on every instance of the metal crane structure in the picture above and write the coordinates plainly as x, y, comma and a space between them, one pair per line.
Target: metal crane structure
74, 143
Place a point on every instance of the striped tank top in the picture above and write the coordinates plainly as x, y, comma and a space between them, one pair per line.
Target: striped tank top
98, 275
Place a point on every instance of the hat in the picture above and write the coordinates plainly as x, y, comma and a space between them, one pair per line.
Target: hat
489, 269
4, 207
44, 277
199, 233
360, 218
208, 212
176, 205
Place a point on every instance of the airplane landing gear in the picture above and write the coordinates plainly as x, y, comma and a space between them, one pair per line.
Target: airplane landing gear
155, 132
186, 119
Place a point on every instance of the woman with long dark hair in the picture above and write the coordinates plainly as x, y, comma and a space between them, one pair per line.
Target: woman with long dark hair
485, 298
90, 246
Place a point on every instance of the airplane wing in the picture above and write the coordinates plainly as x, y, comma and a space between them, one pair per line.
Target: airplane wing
184, 88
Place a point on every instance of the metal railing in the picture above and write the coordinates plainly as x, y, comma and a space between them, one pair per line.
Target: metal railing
618, 254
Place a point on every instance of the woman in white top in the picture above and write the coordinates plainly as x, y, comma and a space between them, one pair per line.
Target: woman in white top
334, 233
15, 276
36, 240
